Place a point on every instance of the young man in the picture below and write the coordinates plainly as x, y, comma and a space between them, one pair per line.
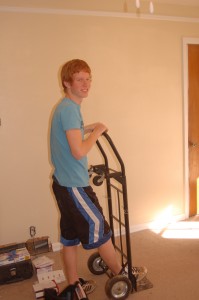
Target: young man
82, 220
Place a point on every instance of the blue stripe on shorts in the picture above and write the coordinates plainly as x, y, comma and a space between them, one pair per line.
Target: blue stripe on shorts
90, 213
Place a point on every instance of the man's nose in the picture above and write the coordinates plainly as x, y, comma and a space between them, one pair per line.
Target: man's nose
85, 82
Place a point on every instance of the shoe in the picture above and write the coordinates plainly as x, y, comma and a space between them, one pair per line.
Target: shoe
68, 293
79, 292
138, 272
87, 285
72, 292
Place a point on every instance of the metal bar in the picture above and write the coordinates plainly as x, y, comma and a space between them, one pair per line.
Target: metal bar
125, 200
115, 152
108, 188
120, 227
116, 188
119, 250
116, 219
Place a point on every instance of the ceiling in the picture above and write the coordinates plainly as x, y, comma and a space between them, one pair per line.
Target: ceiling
179, 2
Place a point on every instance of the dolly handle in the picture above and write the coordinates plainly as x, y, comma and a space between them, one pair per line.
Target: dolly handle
112, 145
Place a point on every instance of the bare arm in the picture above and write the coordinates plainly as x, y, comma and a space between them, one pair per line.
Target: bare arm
80, 148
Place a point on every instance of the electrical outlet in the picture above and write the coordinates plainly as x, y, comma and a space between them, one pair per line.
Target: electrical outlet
32, 231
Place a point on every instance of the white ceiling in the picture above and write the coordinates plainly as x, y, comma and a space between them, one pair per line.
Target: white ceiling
179, 2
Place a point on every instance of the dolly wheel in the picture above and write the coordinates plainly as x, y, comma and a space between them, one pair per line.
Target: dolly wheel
118, 287
96, 265
97, 180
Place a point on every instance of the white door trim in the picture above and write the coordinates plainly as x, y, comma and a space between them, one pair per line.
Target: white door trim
186, 42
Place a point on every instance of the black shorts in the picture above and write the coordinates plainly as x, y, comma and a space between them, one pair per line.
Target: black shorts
82, 218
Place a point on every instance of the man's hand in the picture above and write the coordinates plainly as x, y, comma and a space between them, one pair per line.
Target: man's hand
99, 127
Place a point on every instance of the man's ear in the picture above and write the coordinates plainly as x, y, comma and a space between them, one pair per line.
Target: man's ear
67, 84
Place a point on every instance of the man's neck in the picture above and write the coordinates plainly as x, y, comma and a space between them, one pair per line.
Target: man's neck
74, 99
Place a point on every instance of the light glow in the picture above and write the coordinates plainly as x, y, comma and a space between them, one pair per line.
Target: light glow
182, 230
151, 7
137, 3
167, 226
162, 221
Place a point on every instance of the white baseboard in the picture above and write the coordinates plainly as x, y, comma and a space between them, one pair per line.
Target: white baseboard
157, 224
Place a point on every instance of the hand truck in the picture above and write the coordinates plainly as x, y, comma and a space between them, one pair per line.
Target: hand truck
119, 286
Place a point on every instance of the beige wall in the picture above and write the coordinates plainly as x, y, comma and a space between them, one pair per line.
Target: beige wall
137, 91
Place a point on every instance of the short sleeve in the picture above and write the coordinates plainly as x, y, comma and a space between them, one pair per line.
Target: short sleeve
70, 117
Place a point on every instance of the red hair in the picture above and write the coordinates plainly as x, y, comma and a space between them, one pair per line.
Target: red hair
71, 67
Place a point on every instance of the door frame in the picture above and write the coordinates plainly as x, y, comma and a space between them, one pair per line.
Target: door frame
186, 42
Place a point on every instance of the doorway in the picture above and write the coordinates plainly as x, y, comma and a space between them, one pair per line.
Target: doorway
191, 122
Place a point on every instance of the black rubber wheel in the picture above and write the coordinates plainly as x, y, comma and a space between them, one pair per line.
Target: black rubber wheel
118, 287
96, 264
97, 180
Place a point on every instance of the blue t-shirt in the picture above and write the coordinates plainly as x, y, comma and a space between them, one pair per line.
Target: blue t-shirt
69, 171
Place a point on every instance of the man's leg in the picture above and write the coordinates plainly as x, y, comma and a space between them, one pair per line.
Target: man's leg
70, 261
80, 288
109, 256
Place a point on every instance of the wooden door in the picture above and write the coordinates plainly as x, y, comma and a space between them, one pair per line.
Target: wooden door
193, 121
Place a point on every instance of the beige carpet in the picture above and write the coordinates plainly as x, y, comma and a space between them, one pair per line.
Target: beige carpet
173, 269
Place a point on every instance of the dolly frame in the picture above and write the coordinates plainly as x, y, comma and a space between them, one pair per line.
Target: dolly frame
104, 172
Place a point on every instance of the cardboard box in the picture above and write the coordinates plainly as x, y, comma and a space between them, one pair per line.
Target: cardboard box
39, 288
38, 245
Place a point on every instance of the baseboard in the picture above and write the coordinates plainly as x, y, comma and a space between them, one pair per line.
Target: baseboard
157, 224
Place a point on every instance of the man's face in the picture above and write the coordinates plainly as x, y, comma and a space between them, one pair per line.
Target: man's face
80, 86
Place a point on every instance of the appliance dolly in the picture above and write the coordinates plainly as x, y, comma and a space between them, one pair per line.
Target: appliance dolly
119, 286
